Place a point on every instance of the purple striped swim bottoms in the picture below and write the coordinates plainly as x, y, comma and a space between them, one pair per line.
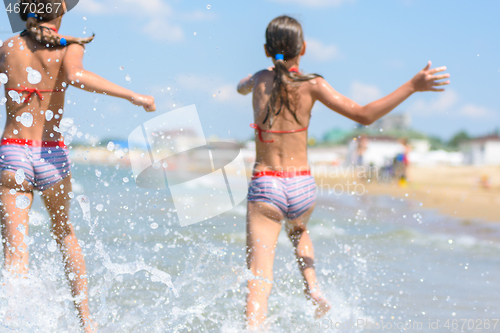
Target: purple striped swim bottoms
42, 166
293, 196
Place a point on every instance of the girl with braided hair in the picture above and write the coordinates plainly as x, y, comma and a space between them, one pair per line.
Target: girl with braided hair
42, 34
37, 66
282, 188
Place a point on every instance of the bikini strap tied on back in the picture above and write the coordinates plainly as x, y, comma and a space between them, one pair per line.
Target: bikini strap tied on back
30, 92
260, 130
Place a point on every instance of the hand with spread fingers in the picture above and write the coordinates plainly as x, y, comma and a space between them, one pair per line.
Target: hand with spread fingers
426, 80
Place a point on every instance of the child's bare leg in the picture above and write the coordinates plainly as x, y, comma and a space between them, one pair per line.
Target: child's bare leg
14, 220
57, 201
263, 228
298, 234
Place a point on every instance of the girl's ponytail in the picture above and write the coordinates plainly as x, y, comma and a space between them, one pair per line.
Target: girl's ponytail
284, 41
40, 33
279, 94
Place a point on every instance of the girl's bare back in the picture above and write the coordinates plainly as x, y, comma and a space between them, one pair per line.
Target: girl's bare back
16, 61
287, 151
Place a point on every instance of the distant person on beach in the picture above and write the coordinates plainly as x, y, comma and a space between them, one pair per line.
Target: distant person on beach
361, 150
401, 163
36, 68
282, 188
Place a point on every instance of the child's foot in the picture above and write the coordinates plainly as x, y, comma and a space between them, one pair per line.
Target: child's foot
90, 326
322, 305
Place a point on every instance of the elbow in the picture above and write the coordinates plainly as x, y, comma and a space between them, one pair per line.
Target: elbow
366, 121
364, 118
241, 90
73, 75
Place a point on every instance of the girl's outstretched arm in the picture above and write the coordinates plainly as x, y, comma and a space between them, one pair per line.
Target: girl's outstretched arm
425, 80
77, 76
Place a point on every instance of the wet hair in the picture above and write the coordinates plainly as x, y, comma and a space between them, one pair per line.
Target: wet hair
284, 36
40, 33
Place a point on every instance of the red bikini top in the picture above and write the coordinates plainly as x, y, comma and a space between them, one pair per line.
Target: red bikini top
260, 130
31, 91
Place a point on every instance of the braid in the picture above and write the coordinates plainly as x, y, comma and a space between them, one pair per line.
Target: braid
48, 37
42, 34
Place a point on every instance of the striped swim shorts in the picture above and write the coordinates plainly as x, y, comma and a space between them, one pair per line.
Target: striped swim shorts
44, 163
293, 194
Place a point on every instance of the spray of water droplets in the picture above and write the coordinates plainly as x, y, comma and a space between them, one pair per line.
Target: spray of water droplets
26, 119
34, 76
4, 78
20, 176
84, 203
49, 115
22, 202
16, 97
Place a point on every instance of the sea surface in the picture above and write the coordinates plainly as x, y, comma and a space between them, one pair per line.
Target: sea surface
380, 261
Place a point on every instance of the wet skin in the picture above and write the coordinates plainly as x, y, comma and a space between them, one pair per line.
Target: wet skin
288, 152
60, 67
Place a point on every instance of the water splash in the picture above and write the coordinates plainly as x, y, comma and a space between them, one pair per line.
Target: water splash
15, 96
84, 203
22, 202
20, 176
19, 298
26, 119
49, 115
67, 129
34, 76
4, 78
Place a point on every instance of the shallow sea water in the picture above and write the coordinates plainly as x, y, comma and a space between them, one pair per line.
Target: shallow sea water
378, 259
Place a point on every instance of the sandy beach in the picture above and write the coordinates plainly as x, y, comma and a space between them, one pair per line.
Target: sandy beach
456, 190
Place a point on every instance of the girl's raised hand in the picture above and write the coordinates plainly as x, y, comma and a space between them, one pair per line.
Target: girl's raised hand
425, 80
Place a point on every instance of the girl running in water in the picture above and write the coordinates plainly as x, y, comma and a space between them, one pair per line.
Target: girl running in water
38, 65
282, 188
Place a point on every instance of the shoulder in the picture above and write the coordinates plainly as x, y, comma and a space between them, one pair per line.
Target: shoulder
75, 48
315, 85
263, 75
74, 51
317, 81
9, 43
8, 46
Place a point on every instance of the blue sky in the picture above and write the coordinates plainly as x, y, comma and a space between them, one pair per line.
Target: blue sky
184, 53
